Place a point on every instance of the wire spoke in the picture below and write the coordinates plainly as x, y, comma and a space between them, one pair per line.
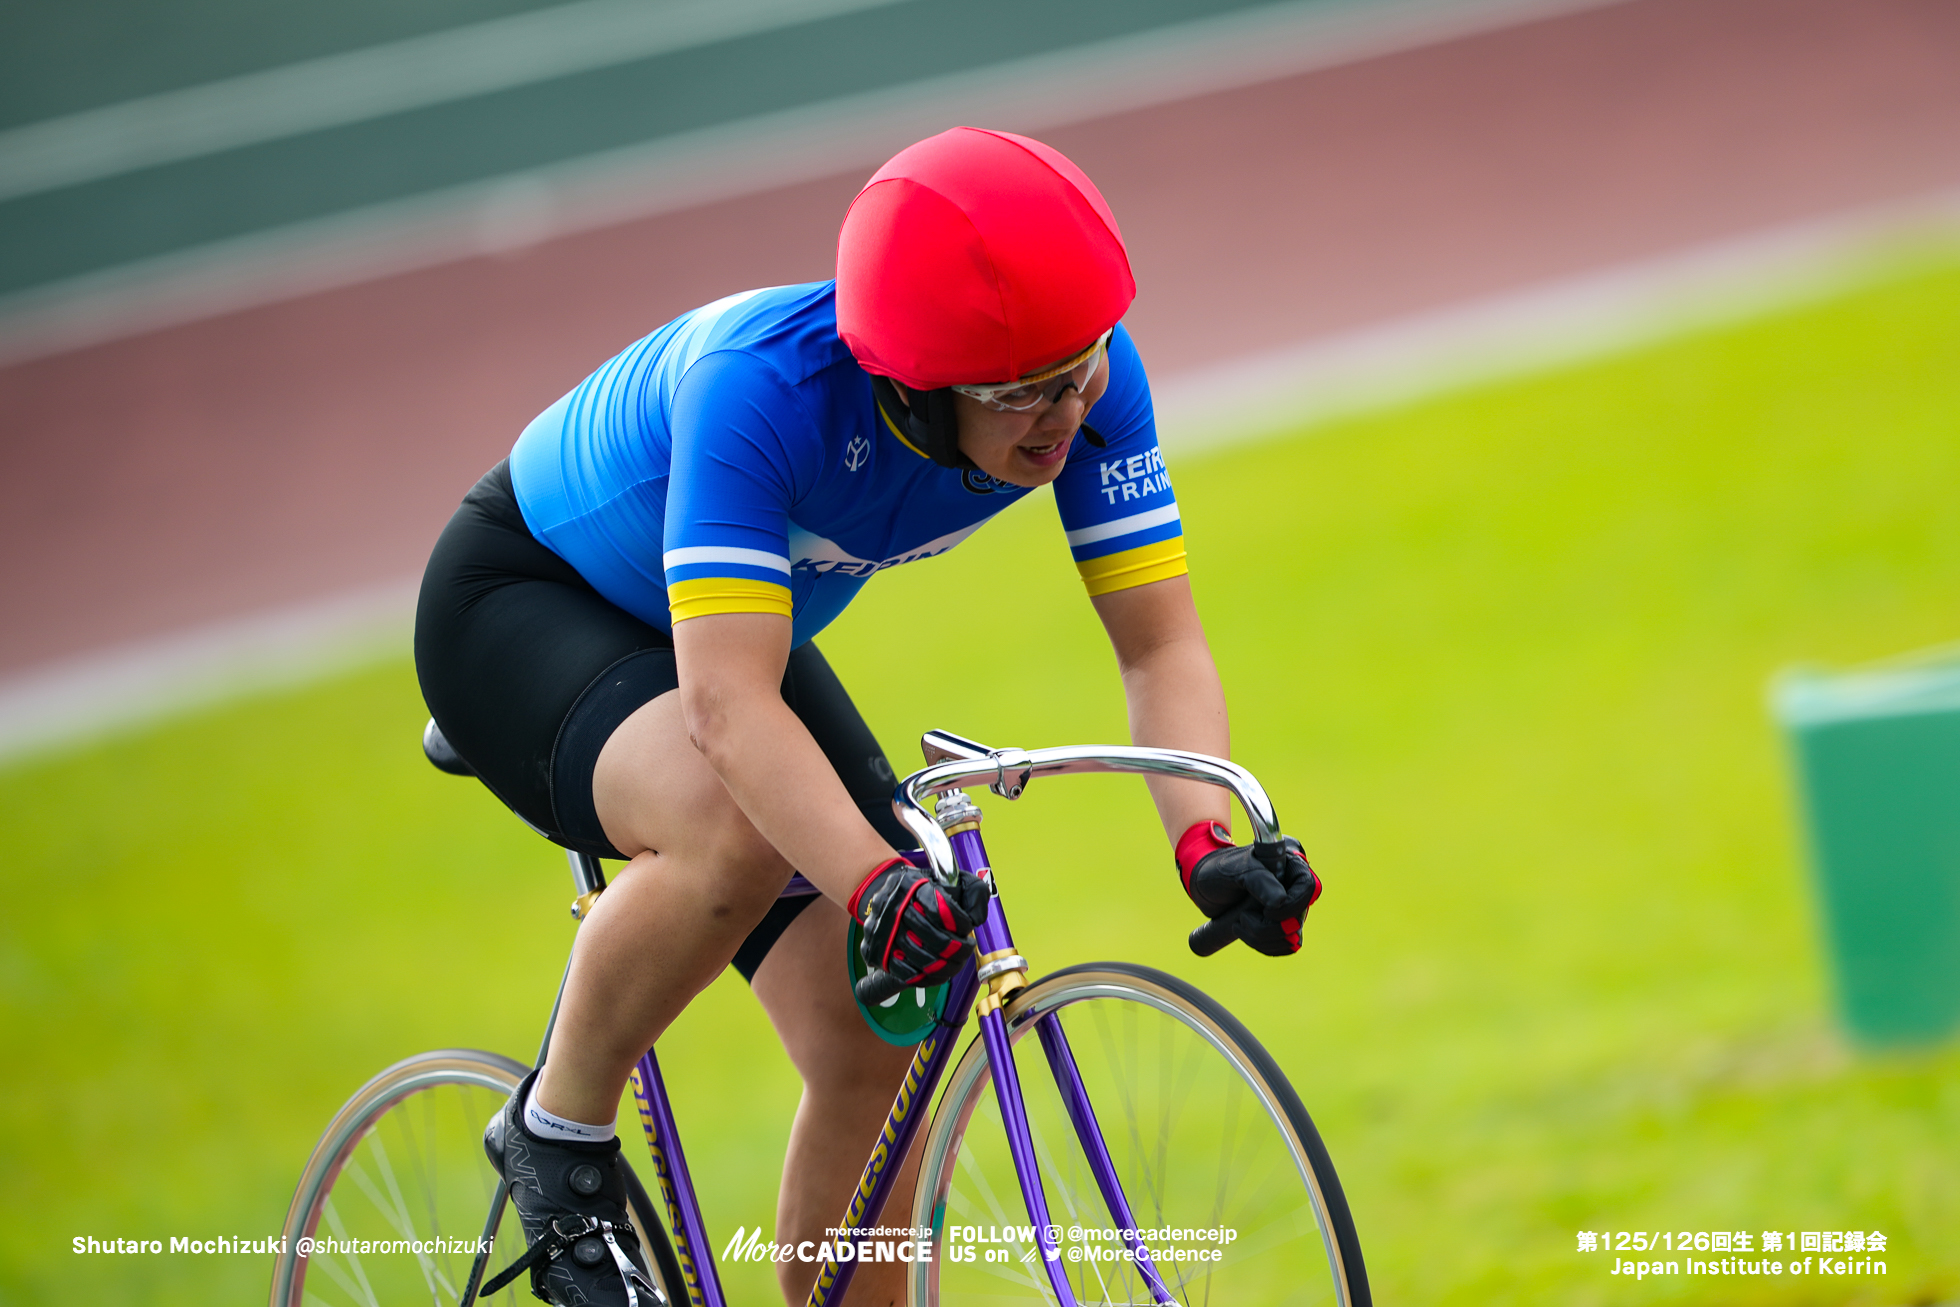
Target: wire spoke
412, 1183
1195, 1141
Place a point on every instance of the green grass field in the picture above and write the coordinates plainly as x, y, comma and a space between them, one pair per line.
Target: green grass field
1501, 661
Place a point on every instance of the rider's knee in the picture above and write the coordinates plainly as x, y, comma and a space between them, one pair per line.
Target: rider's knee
862, 1069
721, 834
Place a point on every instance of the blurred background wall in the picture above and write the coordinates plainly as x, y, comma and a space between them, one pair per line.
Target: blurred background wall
277, 282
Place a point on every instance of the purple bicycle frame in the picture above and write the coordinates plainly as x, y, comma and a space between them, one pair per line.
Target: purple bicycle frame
1007, 772
929, 1063
691, 1247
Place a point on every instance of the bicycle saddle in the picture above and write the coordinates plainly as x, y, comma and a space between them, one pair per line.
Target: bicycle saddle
438, 750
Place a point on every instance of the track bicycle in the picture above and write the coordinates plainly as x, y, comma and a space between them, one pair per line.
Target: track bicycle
1141, 1148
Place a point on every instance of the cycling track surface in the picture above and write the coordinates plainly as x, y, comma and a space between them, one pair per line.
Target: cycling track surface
310, 447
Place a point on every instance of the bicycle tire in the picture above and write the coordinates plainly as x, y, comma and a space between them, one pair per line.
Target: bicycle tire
433, 1107
1187, 1153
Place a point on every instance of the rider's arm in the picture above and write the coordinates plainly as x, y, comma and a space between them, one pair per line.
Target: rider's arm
731, 675
1127, 539
1172, 688
744, 448
1176, 702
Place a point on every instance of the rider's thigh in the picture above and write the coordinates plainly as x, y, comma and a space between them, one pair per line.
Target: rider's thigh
653, 790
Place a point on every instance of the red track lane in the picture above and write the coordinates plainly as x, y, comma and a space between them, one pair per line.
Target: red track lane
304, 448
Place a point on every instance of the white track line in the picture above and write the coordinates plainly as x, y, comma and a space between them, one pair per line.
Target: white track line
1280, 393
78, 699
700, 167
360, 85
1545, 326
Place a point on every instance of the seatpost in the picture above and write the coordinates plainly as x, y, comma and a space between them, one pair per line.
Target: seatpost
588, 882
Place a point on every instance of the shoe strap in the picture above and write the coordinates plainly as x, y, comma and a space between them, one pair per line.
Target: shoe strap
630, 1273
551, 1245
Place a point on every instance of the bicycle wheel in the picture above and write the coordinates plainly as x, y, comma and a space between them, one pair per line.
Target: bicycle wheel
398, 1188
1225, 1176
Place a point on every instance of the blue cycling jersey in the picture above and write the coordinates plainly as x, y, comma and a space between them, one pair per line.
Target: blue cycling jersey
735, 461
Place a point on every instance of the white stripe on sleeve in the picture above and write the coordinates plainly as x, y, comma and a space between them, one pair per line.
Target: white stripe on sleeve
1123, 526
723, 554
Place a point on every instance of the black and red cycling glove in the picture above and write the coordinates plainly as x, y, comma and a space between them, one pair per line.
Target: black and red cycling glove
1258, 893
913, 929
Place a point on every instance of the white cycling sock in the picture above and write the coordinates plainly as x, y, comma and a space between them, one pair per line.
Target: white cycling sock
557, 1129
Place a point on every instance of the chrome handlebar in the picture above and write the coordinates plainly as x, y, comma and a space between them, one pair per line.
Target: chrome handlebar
957, 763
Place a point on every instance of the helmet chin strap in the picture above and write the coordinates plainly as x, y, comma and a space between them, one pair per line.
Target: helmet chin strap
936, 434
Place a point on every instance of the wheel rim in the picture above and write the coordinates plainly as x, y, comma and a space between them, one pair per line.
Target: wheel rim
400, 1189
1200, 1138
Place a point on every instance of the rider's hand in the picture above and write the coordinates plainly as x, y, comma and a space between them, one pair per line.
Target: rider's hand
913, 929
1259, 893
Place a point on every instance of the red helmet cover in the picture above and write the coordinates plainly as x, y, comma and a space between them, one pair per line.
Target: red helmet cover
975, 257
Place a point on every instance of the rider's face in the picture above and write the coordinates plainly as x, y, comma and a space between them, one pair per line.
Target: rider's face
1025, 449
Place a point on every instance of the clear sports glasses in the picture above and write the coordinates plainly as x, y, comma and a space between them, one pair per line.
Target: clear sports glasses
1046, 387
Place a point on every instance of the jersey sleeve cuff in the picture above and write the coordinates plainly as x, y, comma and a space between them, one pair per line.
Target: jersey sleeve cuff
1134, 567
709, 595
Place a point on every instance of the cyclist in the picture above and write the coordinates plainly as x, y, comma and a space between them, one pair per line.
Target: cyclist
615, 632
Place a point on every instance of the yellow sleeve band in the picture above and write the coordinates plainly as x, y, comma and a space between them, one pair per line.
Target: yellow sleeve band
707, 595
1134, 567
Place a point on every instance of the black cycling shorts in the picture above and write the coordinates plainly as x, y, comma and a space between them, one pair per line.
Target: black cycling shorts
528, 671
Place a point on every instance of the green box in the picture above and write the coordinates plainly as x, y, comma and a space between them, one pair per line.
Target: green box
1878, 760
